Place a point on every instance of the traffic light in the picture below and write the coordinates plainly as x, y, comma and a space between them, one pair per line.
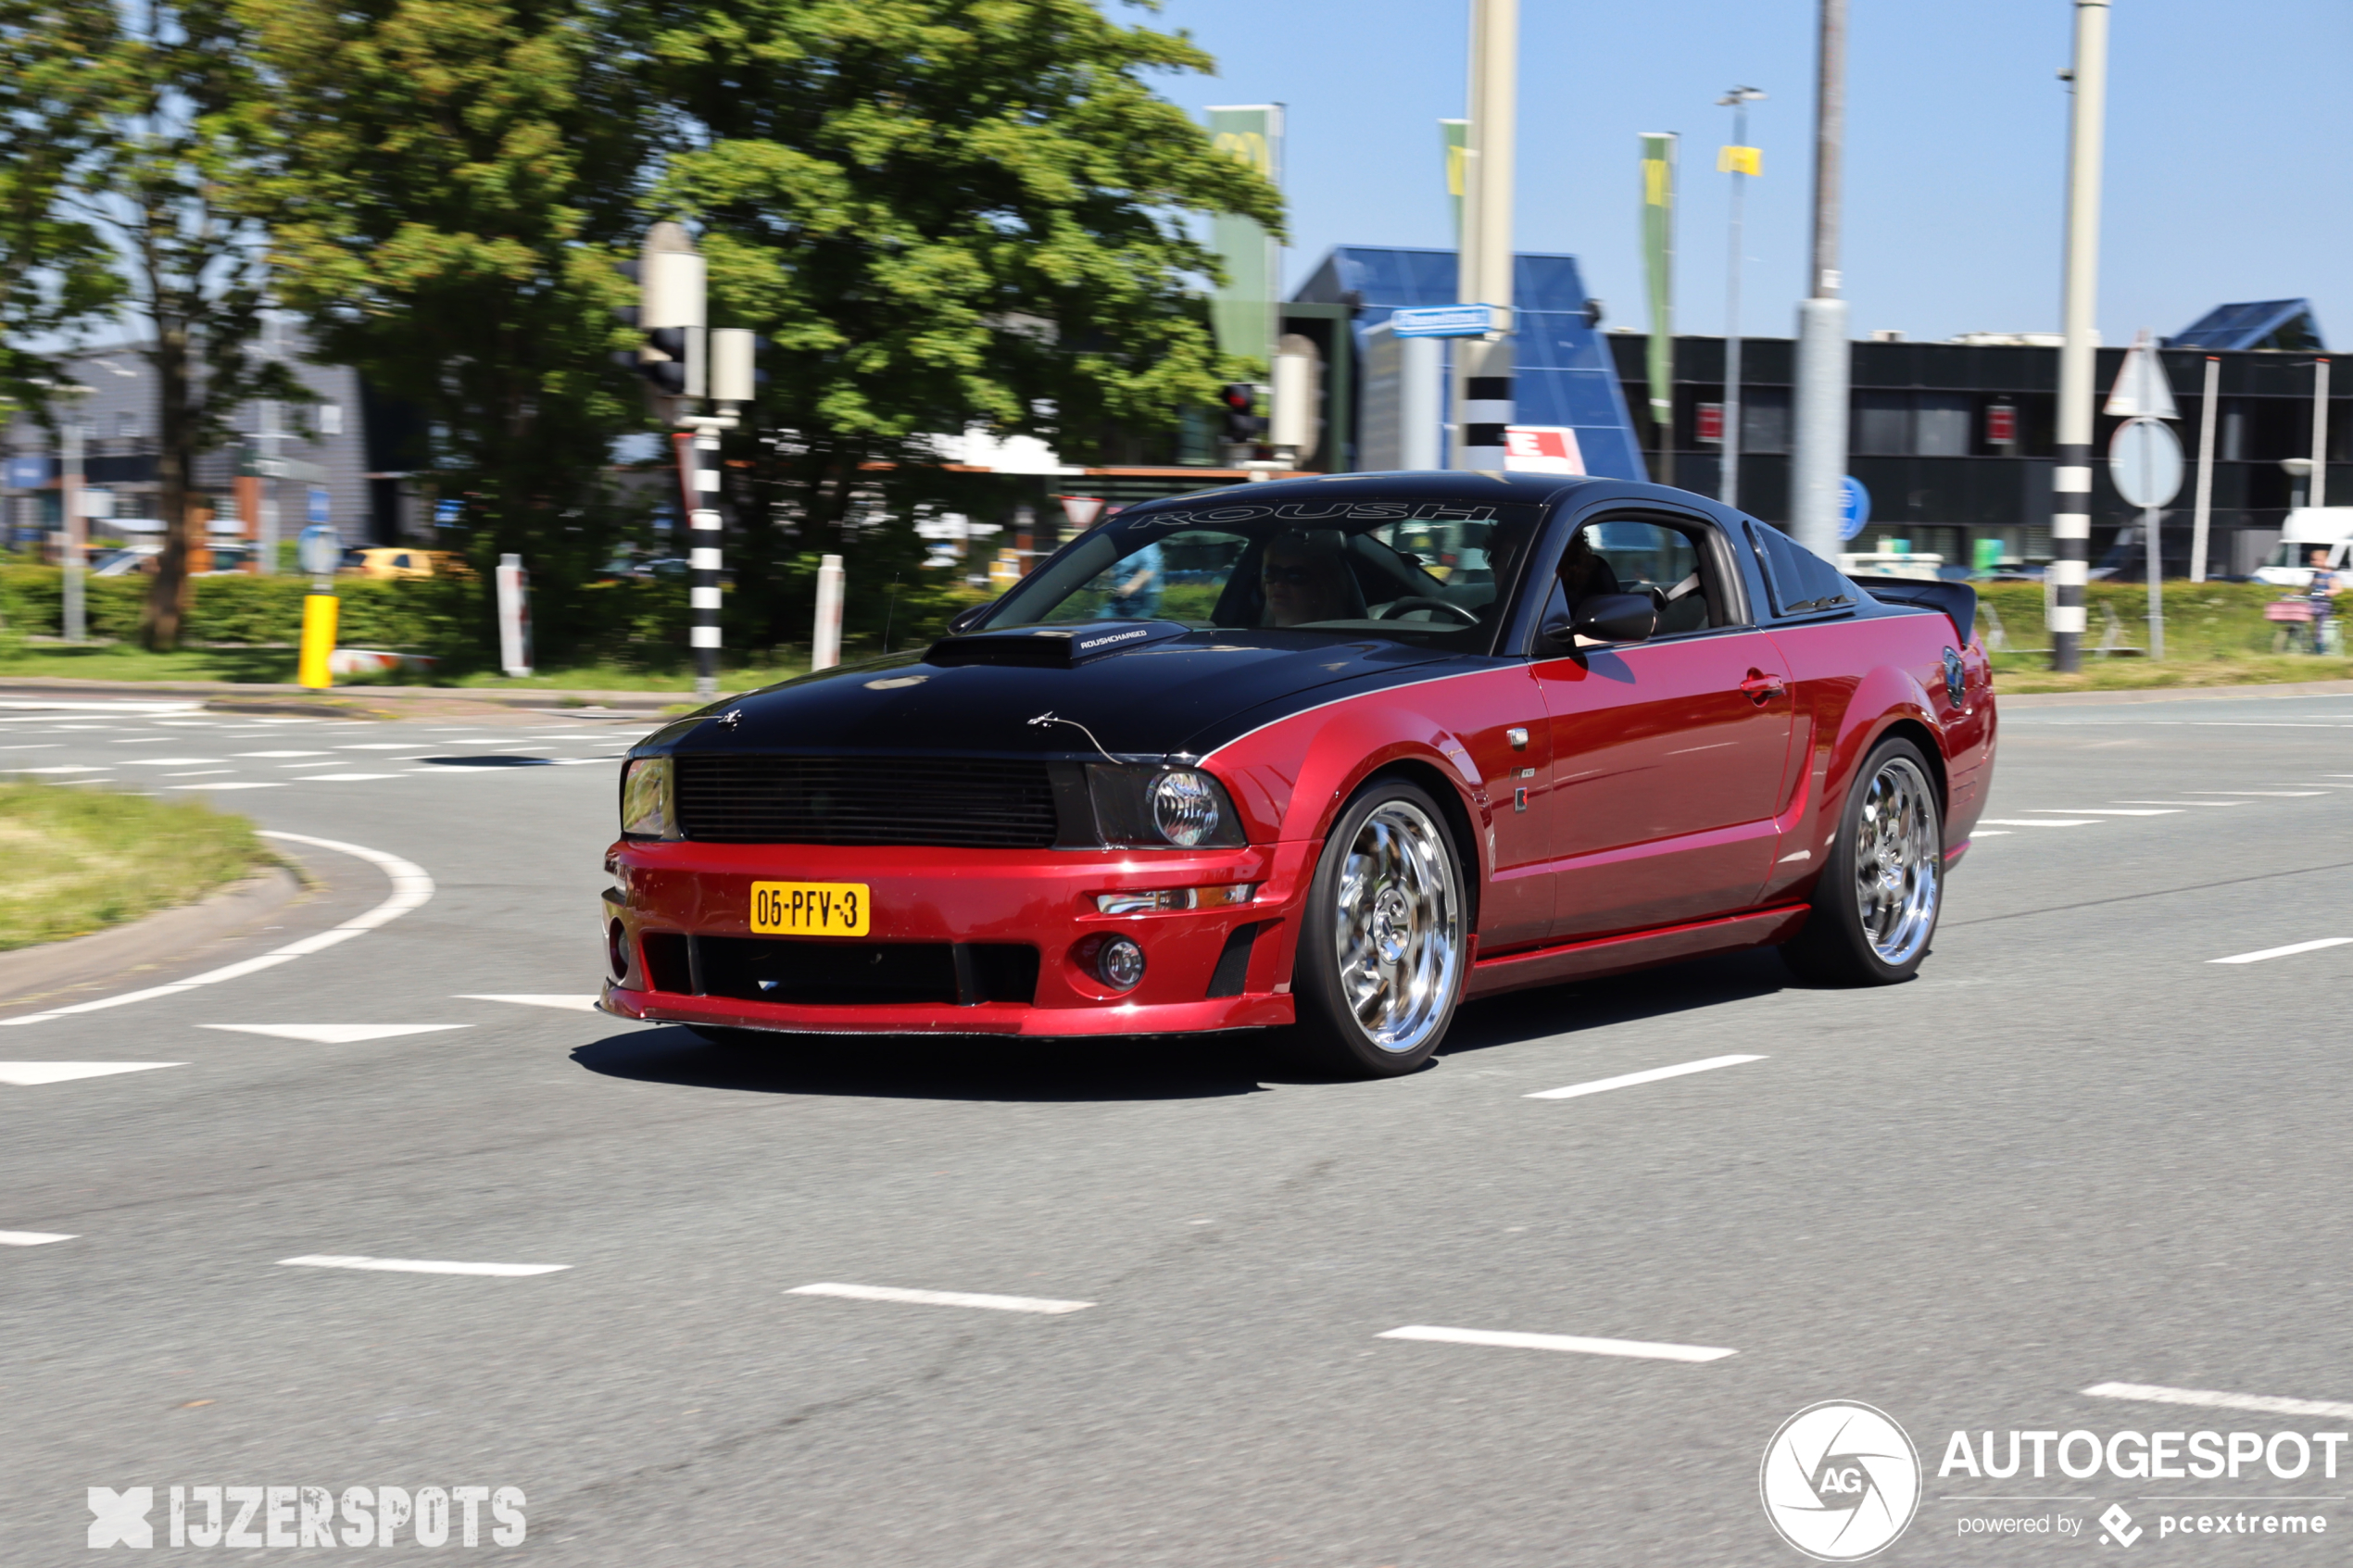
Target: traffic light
1243, 424
662, 361
670, 284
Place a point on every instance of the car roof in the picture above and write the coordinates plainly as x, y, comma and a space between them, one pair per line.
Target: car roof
1441, 484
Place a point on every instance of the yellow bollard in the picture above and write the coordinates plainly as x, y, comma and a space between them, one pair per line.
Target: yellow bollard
319, 612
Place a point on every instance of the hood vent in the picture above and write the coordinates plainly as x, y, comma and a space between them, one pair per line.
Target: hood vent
1052, 648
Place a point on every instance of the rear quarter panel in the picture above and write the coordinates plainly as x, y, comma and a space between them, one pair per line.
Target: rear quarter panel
1853, 682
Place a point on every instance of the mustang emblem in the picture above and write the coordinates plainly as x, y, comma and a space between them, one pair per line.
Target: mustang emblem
730, 719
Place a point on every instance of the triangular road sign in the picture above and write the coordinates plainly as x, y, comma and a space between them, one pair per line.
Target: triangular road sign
2141, 391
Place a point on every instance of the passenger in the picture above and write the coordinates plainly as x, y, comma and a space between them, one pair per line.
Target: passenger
1306, 579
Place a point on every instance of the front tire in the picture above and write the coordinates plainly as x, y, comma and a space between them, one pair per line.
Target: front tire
1876, 906
1382, 943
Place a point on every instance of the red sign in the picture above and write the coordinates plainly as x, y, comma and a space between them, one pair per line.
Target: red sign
1082, 510
2001, 423
1711, 422
1542, 449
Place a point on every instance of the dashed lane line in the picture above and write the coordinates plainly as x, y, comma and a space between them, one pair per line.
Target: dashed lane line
30, 1239
410, 889
2215, 804
2210, 1398
940, 1298
2276, 794
26, 1074
2040, 821
334, 1033
416, 1265
235, 783
573, 1003
1578, 1344
2292, 947
2103, 811
1625, 1080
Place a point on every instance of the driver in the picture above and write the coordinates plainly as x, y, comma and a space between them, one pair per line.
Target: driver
1305, 578
1585, 573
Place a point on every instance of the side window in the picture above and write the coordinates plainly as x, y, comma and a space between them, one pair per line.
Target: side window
1799, 582
1628, 556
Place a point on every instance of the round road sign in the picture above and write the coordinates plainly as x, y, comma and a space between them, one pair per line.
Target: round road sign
2144, 461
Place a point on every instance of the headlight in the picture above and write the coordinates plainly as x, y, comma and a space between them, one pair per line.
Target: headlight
1161, 806
648, 807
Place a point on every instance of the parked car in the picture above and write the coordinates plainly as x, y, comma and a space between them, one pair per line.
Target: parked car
2304, 530
1339, 790
403, 560
139, 556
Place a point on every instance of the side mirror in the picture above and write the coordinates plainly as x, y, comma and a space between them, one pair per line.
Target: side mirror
1615, 617
964, 618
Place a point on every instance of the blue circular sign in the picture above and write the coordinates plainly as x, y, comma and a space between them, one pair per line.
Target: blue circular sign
1854, 508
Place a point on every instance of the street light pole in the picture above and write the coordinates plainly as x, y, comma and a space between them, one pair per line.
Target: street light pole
1484, 395
1818, 467
2071, 476
76, 625
1729, 490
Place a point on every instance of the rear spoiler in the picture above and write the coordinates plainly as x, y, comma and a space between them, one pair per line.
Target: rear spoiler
1957, 600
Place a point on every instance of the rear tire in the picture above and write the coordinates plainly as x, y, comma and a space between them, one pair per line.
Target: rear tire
1876, 906
1383, 939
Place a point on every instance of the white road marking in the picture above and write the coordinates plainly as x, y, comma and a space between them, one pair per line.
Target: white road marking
44, 745
380, 745
232, 783
171, 761
26, 1074
334, 1034
2215, 803
2103, 811
577, 1004
2280, 794
410, 888
1653, 1076
47, 707
2269, 1404
2042, 821
282, 754
1994, 833
1577, 1343
347, 778
68, 767
30, 1239
418, 1265
2283, 953
940, 1298
202, 774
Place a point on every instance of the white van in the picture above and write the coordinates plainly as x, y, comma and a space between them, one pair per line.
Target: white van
2309, 529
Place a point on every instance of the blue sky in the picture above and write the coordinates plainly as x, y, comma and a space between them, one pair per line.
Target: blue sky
2230, 138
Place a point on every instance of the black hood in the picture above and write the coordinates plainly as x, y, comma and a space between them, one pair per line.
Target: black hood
1179, 693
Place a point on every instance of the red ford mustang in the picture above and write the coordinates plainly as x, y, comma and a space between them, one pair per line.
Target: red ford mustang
1340, 752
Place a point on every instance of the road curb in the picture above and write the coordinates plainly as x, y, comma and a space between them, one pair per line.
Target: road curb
42, 974
291, 698
2176, 694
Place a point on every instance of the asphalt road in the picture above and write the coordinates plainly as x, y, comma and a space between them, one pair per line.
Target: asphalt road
2076, 1151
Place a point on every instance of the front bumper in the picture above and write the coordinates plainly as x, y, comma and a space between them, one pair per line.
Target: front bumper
1041, 898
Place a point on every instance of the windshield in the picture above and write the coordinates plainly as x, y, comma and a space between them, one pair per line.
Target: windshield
1420, 572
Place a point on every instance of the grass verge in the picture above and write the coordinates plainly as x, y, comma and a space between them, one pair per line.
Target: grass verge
80, 858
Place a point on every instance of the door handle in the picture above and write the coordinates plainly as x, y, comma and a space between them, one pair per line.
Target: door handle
1762, 688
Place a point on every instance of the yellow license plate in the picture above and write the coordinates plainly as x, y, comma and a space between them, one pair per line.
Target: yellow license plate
811, 909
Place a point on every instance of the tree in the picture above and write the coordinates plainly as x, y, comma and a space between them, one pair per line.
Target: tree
55, 271
450, 182
162, 181
941, 213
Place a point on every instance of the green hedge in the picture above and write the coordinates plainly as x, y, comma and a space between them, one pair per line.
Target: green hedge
639, 623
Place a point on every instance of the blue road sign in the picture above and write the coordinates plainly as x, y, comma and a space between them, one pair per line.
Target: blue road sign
1445, 321
322, 505
1854, 509
28, 473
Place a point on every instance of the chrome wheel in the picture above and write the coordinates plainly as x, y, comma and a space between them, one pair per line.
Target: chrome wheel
1897, 848
1398, 927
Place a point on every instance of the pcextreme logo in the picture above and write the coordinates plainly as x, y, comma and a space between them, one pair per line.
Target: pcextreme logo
1841, 1481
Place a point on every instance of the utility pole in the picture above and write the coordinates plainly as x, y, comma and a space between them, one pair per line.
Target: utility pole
688, 365
70, 489
1483, 396
2071, 476
1741, 161
2202, 514
2320, 489
1817, 470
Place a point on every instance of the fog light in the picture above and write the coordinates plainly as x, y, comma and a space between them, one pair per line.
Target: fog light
1119, 963
617, 950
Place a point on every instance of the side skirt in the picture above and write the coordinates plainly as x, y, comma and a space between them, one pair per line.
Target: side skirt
1640, 949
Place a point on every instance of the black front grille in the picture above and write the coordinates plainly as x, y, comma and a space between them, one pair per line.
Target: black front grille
767, 968
950, 802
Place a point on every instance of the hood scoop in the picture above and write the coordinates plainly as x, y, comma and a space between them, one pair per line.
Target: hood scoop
1052, 648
